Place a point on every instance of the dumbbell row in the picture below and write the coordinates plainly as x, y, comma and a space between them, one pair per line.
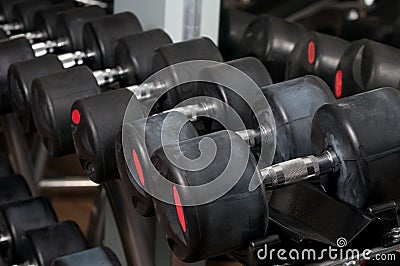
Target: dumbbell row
29, 231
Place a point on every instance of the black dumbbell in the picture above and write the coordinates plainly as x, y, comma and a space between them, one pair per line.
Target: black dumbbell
24, 13
365, 167
348, 73
272, 39
20, 49
13, 188
233, 24
102, 115
293, 123
6, 10
54, 241
16, 219
45, 22
316, 54
379, 66
99, 41
95, 256
54, 95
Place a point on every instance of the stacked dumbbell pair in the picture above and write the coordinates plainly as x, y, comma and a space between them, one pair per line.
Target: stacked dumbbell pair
30, 233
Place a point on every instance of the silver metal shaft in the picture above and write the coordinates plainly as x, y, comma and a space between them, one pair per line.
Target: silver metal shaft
10, 27
43, 48
147, 90
30, 36
299, 169
109, 75
77, 58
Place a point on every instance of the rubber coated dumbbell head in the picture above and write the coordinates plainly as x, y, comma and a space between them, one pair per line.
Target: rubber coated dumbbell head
134, 167
348, 73
168, 55
13, 188
134, 54
93, 135
272, 39
6, 9
100, 35
196, 49
379, 66
294, 103
227, 223
363, 131
24, 12
11, 51
69, 26
219, 74
51, 105
20, 78
45, 19
233, 25
95, 256
19, 217
316, 54
54, 241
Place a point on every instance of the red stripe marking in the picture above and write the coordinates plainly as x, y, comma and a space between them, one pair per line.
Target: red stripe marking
311, 52
179, 209
76, 117
138, 167
339, 83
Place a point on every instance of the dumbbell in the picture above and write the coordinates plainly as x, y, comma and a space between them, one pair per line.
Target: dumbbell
13, 188
348, 73
292, 120
6, 10
317, 54
95, 256
232, 27
54, 241
350, 144
53, 95
379, 66
24, 13
98, 157
271, 39
45, 23
366, 65
99, 37
16, 219
20, 49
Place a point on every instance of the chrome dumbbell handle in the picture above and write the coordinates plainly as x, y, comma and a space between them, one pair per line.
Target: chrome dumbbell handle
299, 169
109, 75
77, 58
43, 48
10, 27
30, 36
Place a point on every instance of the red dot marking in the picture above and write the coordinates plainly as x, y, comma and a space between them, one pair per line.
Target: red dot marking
138, 167
339, 83
311, 52
76, 117
179, 209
